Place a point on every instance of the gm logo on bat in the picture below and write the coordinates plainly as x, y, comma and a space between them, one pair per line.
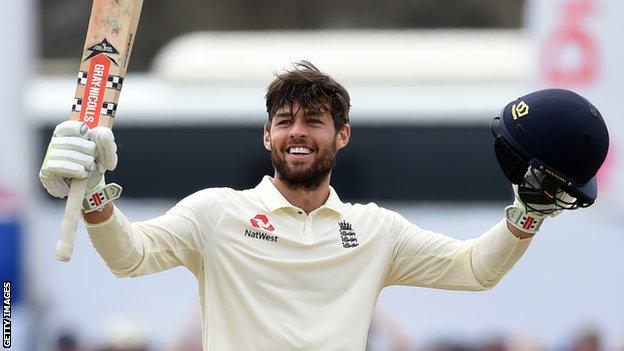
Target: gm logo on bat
6, 314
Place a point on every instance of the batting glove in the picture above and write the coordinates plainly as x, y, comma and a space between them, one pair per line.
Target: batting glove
77, 152
529, 217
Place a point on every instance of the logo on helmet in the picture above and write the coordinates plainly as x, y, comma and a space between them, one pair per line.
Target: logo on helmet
555, 175
519, 110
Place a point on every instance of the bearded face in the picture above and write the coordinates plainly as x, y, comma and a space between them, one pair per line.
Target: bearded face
304, 167
303, 146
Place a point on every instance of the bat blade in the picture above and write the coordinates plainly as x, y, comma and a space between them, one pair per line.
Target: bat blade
109, 41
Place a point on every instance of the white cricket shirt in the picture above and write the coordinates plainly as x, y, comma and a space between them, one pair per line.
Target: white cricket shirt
272, 277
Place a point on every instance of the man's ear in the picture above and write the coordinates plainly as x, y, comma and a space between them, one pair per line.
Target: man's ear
266, 139
343, 136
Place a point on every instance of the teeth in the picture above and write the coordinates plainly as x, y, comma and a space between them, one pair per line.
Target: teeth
300, 150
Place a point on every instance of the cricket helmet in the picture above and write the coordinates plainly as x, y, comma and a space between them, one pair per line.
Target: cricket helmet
560, 137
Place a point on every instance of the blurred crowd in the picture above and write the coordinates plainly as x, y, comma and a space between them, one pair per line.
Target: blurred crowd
384, 335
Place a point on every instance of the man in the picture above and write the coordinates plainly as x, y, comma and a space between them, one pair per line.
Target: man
286, 265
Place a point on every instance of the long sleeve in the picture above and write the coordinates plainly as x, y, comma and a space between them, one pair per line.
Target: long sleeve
428, 259
177, 238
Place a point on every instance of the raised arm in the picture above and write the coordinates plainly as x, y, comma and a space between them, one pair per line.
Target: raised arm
425, 258
176, 238
129, 249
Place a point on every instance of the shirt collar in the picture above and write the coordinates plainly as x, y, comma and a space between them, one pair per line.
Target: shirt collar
274, 200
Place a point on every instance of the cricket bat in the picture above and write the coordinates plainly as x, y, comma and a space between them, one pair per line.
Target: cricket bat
111, 33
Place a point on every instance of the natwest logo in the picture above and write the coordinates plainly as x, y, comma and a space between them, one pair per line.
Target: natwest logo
261, 221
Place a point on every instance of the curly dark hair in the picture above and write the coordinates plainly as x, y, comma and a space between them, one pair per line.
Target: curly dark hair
314, 90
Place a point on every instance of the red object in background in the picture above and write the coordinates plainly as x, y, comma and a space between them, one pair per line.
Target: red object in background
8, 201
606, 170
571, 35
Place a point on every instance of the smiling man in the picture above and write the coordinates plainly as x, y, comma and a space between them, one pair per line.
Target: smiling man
308, 123
286, 265
303, 145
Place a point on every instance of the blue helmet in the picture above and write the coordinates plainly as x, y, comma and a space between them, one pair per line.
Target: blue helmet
557, 133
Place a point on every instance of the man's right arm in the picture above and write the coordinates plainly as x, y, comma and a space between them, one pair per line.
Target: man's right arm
129, 249
176, 238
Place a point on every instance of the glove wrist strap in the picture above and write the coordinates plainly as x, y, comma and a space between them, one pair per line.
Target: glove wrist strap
96, 199
520, 219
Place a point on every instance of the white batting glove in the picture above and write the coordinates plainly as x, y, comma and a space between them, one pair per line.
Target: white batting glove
77, 152
524, 216
551, 209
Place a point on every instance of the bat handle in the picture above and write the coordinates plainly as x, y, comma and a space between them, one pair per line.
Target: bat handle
69, 226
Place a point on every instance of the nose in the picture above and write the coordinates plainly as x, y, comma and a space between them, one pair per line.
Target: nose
298, 129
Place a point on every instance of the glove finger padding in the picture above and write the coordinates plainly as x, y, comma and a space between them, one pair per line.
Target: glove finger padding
73, 157
77, 144
66, 169
56, 186
106, 148
70, 129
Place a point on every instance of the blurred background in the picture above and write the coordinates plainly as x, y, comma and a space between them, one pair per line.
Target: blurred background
425, 78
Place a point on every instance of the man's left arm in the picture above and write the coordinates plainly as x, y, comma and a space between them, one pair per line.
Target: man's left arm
520, 234
424, 258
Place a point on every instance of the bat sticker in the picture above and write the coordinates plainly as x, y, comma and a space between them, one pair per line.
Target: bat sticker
108, 108
93, 96
113, 82
103, 47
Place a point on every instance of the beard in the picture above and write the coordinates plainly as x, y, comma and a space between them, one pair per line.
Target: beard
305, 177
